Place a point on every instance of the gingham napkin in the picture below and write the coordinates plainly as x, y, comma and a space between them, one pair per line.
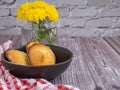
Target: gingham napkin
10, 82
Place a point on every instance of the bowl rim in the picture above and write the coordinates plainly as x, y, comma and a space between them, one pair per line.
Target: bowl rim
56, 64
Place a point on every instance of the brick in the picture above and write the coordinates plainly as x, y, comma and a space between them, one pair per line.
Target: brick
65, 31
99, 23
71, 22
67, 2
63, 12
99, 2
12, 31
87, 32
82, 7
86, 12
117, 24
1, 3
14, 11
2, 27
19, 2
21, 23
116, 2
111, 32
4, 12
57, 2
110, 13
7, 1
115, 32
8, 22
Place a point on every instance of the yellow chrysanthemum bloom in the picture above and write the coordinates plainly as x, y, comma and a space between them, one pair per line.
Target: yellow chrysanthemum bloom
52, 16
37, 11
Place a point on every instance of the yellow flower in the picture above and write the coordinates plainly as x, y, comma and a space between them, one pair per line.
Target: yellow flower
52, 16
37, 11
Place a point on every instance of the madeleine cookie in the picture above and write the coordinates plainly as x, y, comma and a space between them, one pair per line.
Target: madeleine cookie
29, 44
17, 57
40, 54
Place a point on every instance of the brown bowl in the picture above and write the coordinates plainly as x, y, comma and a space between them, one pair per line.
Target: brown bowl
49, 72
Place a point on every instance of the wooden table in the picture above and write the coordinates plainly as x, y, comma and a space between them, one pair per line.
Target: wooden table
95, 65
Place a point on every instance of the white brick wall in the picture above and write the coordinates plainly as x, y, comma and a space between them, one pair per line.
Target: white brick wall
115, 12
4, 12
99, 2
85, 12
77, 17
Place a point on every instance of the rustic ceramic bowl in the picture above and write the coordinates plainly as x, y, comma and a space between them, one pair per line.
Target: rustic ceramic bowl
49, 72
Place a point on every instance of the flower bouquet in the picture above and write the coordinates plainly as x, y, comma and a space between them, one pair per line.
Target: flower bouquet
39, 15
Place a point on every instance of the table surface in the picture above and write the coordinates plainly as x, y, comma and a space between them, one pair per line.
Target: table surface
95, 64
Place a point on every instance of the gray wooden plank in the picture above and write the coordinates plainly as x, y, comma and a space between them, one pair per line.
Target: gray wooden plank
88, 60
114, 42
77, 74
103, 63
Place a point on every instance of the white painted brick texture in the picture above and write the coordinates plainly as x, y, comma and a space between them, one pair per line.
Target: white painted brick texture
4, 12
99, 2
86, 12
77, 17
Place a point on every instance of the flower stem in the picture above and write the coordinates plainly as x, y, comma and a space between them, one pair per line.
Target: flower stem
33, 33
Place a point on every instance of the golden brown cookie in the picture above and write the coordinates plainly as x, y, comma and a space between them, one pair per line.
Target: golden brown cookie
29, 44
17, 57
40, 54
